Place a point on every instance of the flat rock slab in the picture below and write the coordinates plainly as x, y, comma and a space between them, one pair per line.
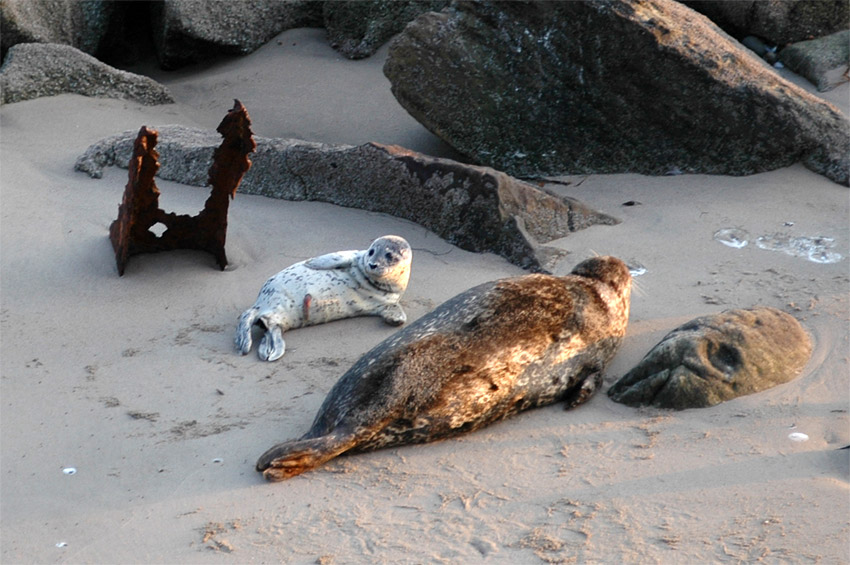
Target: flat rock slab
819, 58
543, 88
476, 208
716, 358
33, 70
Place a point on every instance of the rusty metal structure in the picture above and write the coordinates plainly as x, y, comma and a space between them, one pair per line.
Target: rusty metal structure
139, 210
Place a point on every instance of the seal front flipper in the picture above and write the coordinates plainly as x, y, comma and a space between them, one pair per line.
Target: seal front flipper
337, 260
291, 458
393, 315
581, 393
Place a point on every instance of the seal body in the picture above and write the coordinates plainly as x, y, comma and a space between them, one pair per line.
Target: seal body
329, 287
490, 352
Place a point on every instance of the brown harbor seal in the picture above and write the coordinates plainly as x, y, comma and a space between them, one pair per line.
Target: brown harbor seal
329, 287
490, 352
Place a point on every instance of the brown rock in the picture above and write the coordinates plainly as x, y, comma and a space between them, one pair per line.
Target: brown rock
716, 358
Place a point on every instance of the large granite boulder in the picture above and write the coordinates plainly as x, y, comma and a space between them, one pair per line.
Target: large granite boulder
188, 31
716, 358
777, 21
823, 61
476, 208
83, 24
358, 29
32, 70
613, 86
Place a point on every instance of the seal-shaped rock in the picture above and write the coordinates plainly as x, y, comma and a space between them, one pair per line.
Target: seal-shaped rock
329, 287
716, 358
490, 352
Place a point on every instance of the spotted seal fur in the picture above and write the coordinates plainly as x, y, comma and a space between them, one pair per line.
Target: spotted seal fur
487, 353
330, 287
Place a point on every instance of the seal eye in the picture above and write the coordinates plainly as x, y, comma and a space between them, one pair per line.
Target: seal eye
371, 252
390, 258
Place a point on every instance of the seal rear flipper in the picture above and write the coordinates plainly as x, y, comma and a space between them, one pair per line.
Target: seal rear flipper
243, 338
291, 458
272, 347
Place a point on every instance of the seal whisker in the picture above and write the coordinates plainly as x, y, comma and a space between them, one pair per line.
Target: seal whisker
637, 289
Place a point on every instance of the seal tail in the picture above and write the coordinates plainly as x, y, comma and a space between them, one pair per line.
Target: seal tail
243, 330
291, 458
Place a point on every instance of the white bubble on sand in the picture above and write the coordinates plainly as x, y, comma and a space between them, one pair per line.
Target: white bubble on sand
733, 237
636, 268
817, 249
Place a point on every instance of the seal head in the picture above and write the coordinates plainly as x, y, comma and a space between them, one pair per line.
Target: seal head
487, 353
386, 263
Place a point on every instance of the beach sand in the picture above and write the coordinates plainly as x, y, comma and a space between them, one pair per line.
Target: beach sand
134, 382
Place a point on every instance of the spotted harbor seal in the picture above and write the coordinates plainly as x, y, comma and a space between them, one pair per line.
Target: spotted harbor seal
490, 352
329, 287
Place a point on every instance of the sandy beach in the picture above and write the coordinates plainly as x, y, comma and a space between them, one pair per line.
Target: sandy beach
129, 425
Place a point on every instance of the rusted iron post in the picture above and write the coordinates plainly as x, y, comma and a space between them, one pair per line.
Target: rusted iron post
139, 210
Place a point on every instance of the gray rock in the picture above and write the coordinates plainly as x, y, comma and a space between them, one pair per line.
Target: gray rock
607, 87
83, 24
716, 358
476, 208
32, 70
777, 21
358, 29
816, 59
188, 31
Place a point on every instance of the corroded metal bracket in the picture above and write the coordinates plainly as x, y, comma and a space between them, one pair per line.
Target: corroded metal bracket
139, 210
